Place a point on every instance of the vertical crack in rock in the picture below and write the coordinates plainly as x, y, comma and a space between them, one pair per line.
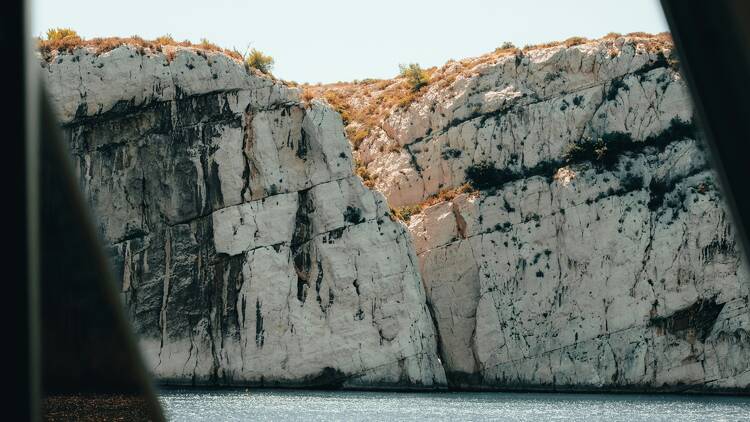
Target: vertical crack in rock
260, 333
213, 183
300, 245
646, 252
318, 284
460, 221
215, 295
144, 207
248, 137
214, 198
304, 144
436, 328
165, 291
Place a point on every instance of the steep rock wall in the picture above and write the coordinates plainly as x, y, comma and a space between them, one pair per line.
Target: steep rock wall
248, 251
598, 252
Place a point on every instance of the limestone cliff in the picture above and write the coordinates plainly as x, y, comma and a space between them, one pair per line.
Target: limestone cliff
563, 230
248, 251
595, 250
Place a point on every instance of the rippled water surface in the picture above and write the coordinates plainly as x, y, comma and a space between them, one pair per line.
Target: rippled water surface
297, 405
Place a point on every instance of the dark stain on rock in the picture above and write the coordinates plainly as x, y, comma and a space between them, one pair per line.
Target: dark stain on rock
318, 284
81, 111
329, 379
209, 107
463, 380
353, 215
300, 247
694, 321
304, 145
721, 246
122, 107
214, 187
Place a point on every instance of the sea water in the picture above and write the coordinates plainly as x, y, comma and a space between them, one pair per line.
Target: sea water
306, 405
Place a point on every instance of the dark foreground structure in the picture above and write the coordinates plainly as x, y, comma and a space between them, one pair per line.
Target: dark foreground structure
74, 353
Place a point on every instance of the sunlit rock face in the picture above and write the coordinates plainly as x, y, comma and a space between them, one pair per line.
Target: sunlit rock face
596, 253
611, 265
248, 252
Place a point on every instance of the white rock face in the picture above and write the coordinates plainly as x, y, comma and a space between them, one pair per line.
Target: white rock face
524, 110
597, 254
249, 252
569, 271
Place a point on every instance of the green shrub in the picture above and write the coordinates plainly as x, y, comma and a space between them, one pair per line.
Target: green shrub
258, 60
485, 176
605, 151
56, 34
585, 150
353, 215
415, 76
404, 213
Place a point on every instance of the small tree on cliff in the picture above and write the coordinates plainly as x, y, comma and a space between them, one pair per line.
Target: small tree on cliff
58, 34
260, 61
415, 76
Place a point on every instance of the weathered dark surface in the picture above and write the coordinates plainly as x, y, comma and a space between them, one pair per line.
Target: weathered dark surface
236, 227
696, 321
87, 345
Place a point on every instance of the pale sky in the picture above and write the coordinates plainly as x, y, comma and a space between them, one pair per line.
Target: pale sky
339, 40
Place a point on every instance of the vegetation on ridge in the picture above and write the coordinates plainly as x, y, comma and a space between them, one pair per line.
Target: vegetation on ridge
57, 34
65, 40
415, 76
257, 60
364, 105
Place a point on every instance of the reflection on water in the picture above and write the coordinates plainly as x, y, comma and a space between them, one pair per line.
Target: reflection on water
288, 405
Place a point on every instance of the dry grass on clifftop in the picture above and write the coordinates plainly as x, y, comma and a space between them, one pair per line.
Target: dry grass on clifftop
65, 40
365, 104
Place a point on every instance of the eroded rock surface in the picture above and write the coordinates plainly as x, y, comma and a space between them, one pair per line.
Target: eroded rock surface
248, 251
597, 253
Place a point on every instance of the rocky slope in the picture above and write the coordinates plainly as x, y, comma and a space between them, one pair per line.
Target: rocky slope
566, 232
248, 251
596, 251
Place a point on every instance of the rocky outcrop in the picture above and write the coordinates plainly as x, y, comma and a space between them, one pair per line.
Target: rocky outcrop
248, 251
594, 251
597, 251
